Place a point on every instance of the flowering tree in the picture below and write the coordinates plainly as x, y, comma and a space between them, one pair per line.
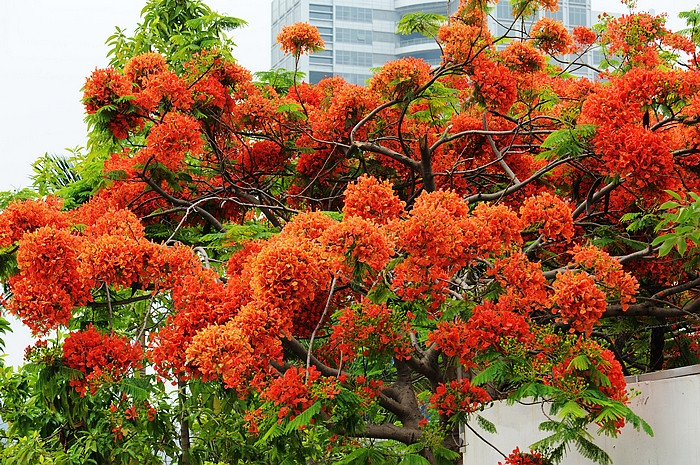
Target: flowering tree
347, 274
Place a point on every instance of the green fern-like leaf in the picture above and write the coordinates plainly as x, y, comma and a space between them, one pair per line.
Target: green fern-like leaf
486, 425
494, 372
567, 142
138, 388
304, 418
426, 24
580, 363
590, 451
414, 459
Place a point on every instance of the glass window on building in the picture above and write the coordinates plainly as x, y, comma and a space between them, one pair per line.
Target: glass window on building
578, 16
317, 60
385, 37
316, 76
349, 13
414, 39
557, 15
384, 15
504, 11
326, 34
346, 57
434, 57
359, 79
353, 36
320, 12
324, 57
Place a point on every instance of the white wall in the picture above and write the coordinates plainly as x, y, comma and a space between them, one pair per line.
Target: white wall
669, 401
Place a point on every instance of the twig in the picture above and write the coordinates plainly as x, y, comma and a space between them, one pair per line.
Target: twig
483, 439
318, 326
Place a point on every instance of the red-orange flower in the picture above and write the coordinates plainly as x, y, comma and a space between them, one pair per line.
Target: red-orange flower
399, 77
26, 216
458, 396
373, 200
300, 38
551, 214
100, 357
552, 36
578, 301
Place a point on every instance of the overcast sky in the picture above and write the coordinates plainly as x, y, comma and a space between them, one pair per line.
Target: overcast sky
49, 47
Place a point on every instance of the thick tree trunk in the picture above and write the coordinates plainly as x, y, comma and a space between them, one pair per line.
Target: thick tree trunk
184, 424
656, 347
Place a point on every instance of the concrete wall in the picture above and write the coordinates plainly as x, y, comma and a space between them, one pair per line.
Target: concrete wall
669, 401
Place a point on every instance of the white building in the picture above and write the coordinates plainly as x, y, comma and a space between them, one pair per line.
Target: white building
360, 34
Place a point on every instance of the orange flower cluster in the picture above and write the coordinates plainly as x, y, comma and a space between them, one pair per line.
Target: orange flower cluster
584, 36
369, 330
291, 393
550, 214
492, 323
113, 259
552, 37
163, 87
489, 325
238, 352
495, 85
372, 200
307, 226
578, 301
26, 216
359, 244
200, 300
524, 458
458, 396
291, 276
106, 90
264, 156
238, 266
435, 240
48, 285
300, 38
400, 77
608, 272
633, 35
524, 286
523, 58
170, 140
462, 41
629, 146
637, 152
143, 67
497, 229
217, 84
110, 222
100, 357
433, 235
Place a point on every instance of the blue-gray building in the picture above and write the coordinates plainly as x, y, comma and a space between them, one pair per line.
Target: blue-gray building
360, 34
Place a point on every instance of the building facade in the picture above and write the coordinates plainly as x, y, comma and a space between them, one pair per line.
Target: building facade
360, 34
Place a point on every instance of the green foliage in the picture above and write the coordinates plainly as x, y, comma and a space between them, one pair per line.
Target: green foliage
486, 425
279, 79
426, 24
11, 196
569, 431
692, 20
681, 220
176, 29
53, 172
4, 329
567, 142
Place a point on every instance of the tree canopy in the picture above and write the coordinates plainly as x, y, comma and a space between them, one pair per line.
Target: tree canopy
335, 273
